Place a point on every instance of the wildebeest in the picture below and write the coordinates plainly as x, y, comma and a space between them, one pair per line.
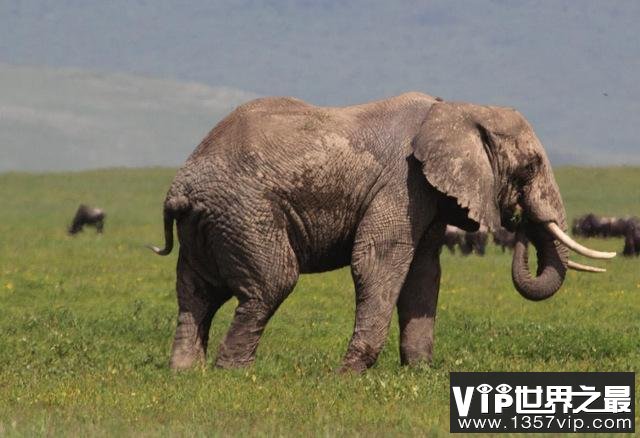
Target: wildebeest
591, 225
504, 238
86, 215
468, 242
632, 239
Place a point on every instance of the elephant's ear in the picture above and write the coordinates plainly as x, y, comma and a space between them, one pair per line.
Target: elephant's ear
455, 145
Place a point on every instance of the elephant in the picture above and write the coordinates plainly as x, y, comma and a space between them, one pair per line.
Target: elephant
504, 238
591, 225
281, 187
86, 215
468, 242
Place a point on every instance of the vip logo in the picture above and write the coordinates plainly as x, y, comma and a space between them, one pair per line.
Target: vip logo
554, 402
501, 398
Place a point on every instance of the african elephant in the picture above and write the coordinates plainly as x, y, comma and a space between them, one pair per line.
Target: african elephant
281, 187
86, 215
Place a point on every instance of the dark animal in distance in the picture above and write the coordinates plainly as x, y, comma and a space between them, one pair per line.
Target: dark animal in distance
281, 187
466, 241
453, 236
632, 239
504, 238
86, 215
591, 225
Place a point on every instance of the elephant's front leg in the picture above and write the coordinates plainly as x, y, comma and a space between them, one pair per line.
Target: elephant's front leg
378, 272
197, 302
418, 300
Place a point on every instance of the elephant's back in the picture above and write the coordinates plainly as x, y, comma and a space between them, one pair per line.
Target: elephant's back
275, 137
281, 125
244, 126
288, 147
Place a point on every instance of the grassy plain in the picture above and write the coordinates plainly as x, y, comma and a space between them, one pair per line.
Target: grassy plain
86, 324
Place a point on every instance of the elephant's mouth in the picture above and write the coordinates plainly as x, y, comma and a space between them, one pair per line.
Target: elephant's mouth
552, 247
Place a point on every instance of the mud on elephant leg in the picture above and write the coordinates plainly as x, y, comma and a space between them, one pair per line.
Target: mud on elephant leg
418, 300
198, 302
378, 272
273, 277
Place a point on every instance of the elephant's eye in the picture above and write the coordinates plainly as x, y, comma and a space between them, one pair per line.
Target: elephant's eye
527, 172
533, 166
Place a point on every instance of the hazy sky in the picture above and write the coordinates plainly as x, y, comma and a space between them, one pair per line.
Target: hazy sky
572, 67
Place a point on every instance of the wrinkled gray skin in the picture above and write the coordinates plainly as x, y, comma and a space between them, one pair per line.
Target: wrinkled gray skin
86, 215
281, 187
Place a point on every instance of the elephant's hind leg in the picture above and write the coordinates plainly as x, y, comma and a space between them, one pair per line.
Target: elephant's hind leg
198, 301
268, 276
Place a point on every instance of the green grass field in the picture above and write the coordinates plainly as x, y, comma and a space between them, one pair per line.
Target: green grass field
86, 324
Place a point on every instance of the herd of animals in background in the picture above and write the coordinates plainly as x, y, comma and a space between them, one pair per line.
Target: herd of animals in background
504, 238
588, 225
467, 242
591, 225
476, 242
86, 215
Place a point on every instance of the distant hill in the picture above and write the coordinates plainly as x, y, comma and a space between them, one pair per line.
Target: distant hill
70, 119
570, 67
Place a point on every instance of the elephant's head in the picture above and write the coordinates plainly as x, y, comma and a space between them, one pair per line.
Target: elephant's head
492, 163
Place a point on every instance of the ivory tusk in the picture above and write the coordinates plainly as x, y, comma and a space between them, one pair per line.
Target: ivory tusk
156, 250
555, 230
583, 268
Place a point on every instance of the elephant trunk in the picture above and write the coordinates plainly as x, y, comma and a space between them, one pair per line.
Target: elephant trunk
552, 266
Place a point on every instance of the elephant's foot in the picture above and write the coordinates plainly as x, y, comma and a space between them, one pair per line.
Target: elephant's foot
415, 357
189, 344
184, 361
359, 357
236, 354
352, 368
235, 358
227, 363
416, 341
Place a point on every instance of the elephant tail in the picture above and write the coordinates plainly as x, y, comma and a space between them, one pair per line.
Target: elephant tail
174, 206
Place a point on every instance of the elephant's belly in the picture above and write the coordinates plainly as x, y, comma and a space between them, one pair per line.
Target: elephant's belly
322, 241
326, 259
